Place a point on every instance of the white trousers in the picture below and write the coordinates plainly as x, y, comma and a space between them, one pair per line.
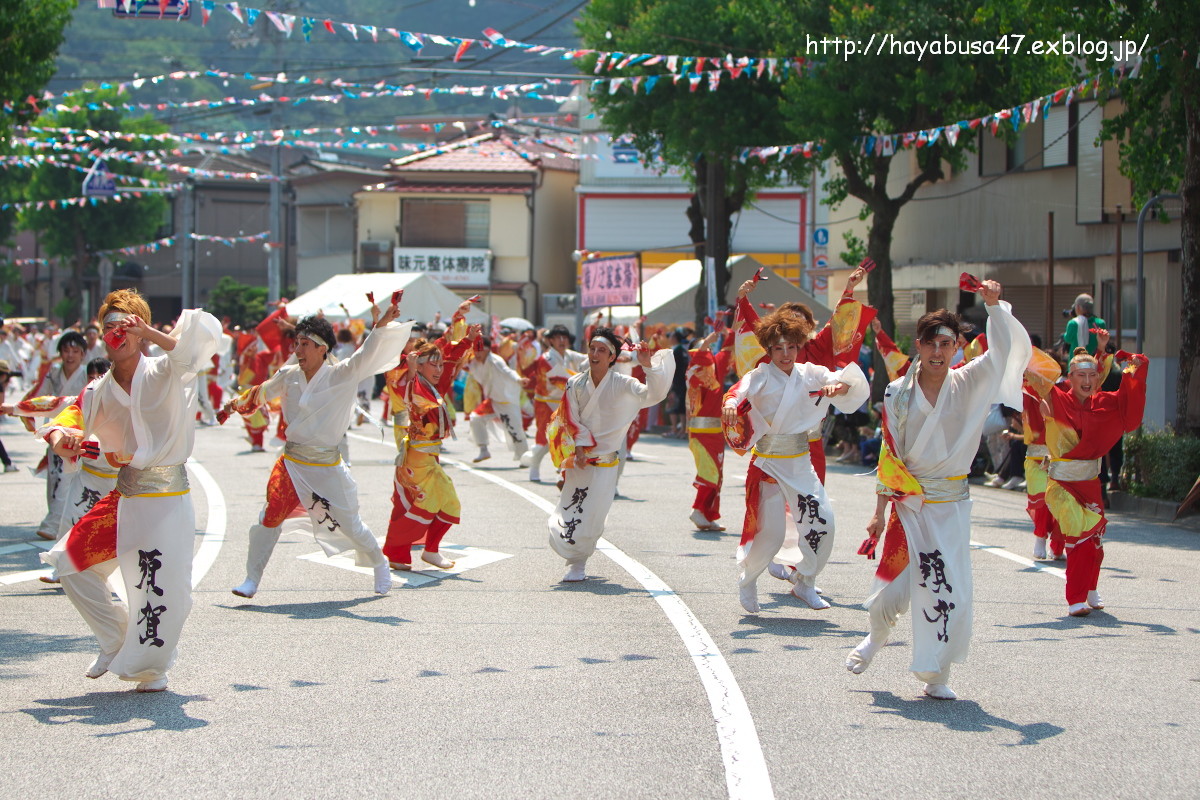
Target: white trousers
938, 583
578, 522
508, 416
154, 552
56, 491
805, 545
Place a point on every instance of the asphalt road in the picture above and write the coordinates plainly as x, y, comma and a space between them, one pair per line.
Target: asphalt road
647, 680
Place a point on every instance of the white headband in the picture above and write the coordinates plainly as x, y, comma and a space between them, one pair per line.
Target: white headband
312, 337
114, 316
1083, 363
606, 343
944, 331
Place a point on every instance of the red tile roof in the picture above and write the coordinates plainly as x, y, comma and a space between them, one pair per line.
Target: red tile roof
487, 152
419, 187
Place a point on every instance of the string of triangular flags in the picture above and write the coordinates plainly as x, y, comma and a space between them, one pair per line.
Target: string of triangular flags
885, 144
257, 137
152, 159
776, 68
70, 202
171, 241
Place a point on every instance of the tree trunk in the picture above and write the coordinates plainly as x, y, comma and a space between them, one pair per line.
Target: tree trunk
879, 282
1188, 403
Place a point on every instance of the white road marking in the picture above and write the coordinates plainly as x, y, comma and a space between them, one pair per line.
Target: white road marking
746, 773
465, 558
1000, 551
27, 575
214, 534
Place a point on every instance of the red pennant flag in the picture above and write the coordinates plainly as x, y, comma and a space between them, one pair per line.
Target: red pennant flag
969, 283
463, 46
329, 26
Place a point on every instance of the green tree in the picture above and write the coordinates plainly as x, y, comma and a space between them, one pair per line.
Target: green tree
701, 131
76, 232
1159, 129
30, 34
244, 305
844, 99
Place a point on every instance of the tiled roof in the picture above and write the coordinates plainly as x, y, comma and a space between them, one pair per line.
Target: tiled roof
485, 153
418, 187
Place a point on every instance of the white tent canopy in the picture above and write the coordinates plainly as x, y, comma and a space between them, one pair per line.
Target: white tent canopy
669, 297
423, 297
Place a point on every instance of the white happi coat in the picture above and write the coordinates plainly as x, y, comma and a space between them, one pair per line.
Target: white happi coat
318, 411
780, 404
502, 385
57, 383
153, 426
940, 441
604, 412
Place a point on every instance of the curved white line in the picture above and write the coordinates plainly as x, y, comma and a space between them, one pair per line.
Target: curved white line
746, 773
214, 534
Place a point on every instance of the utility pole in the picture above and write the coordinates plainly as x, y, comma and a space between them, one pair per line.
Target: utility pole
275, 245
187, 247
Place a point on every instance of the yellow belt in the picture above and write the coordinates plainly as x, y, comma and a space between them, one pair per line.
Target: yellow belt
99, 473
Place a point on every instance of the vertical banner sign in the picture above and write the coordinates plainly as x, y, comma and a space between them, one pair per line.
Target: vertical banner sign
611, 281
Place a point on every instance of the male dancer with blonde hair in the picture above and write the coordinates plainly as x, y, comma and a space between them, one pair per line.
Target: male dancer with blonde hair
143, 410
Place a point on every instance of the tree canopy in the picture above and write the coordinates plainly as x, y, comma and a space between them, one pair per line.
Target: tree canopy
77, 232
698, 130
1158, 127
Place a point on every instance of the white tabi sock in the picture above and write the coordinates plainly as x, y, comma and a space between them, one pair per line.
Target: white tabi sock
861, 656
383, 578
940, 691
748, 596
1039, 548
576, 572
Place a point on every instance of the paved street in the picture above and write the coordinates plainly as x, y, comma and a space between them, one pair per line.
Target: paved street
647, 680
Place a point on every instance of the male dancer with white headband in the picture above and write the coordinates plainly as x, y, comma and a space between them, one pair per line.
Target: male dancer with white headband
143, 411
932, 421
770, 412
585, 433
319, 394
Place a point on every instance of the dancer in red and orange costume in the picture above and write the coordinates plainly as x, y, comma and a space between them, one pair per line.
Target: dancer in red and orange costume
1082, 424
705, 391
424, 501
1044, 371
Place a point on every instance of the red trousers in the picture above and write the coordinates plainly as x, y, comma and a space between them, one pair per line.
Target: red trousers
1083, 569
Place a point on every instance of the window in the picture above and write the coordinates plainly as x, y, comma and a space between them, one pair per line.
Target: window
444, 223
325, 230
1050, 141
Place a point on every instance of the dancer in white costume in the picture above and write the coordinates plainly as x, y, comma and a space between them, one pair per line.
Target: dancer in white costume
142, 410
502, 388
770, 411
933, 418
319, 395
550, 374
63, 379
585, 434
